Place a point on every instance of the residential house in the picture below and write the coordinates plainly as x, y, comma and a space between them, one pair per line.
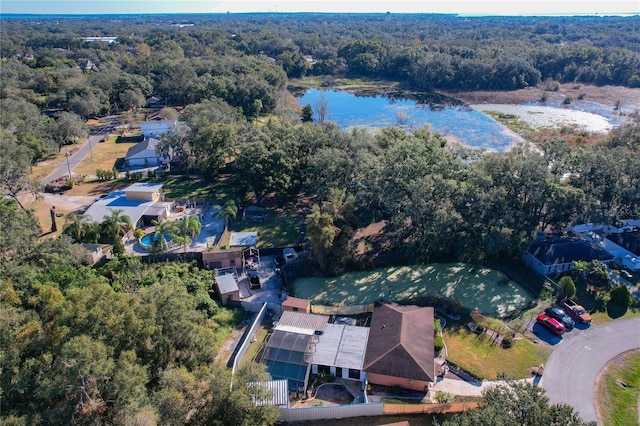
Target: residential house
302, 343
558, 254
144, 154
142, 202
625, 247
400, 349
340, 351
154, 102
154, 129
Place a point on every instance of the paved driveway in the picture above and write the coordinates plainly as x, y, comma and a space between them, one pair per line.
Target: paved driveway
571, 370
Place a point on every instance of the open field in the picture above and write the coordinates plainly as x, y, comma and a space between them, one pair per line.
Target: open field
618, 404
104, 155
472, 286
482, 356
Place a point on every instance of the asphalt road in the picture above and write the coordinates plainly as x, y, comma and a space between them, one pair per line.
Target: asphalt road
571, 370
76, 158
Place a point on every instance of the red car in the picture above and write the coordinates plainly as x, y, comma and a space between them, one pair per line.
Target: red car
552, 324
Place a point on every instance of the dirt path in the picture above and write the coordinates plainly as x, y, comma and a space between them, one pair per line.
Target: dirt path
229, 345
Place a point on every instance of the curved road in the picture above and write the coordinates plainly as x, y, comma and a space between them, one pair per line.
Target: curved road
571, 370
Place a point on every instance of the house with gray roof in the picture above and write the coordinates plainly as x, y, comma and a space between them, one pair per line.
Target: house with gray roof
557, 255
625, 247
227, 288
144, 154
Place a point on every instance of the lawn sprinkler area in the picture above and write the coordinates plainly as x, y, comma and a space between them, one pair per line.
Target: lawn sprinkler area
474, 287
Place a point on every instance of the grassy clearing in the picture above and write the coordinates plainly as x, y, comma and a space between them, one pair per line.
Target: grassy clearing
225, 321
279, 230
481, 356
256, 346
224, 188
618, 405
474, 287
105, 155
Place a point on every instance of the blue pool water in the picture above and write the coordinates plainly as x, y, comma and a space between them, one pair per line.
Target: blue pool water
447, 116
148, 239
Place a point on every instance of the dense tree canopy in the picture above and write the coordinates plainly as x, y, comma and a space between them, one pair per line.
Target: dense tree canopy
124, 344
517, 404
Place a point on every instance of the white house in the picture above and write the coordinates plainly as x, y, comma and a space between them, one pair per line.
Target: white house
144, 155
142, 202
153, 129
625, 246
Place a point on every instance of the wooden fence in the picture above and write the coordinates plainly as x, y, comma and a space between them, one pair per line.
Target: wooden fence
456, 407
373, 409
342, 310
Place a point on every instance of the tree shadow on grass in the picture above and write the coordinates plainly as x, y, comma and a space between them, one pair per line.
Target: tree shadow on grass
616, 311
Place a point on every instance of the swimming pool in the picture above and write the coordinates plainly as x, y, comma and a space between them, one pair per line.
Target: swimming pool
147, 240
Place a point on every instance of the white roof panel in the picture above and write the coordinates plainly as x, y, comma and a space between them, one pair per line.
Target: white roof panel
243, 239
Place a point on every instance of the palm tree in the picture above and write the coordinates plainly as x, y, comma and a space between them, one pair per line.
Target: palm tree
78, 228
163, 228
227, 212
188, 229
116, 223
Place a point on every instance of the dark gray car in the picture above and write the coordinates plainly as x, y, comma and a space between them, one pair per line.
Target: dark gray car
559, 314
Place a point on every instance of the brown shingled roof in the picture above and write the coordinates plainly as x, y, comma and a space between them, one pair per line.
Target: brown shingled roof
401, 342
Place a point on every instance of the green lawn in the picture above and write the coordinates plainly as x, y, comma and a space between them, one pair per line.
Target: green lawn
481, 356
619, 405
472, 286
223, 189
279, 230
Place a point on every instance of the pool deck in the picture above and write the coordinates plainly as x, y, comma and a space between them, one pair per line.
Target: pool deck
212, 228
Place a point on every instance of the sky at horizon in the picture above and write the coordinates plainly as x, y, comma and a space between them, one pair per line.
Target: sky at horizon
463, 7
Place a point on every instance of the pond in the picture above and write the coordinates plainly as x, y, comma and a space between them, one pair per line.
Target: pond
474, 287
451, 118
448, 116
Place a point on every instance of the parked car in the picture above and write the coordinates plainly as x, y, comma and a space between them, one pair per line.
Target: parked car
551, 324
626, 274
576, 311
556, 312
254, 280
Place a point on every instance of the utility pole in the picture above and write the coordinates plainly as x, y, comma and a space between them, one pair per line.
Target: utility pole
68, 166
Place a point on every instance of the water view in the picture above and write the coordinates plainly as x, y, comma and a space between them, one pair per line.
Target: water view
449, 117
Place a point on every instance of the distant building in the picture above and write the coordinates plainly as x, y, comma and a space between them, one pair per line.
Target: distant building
625, 247
557, 255
154, 129
155, 102
109, 40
